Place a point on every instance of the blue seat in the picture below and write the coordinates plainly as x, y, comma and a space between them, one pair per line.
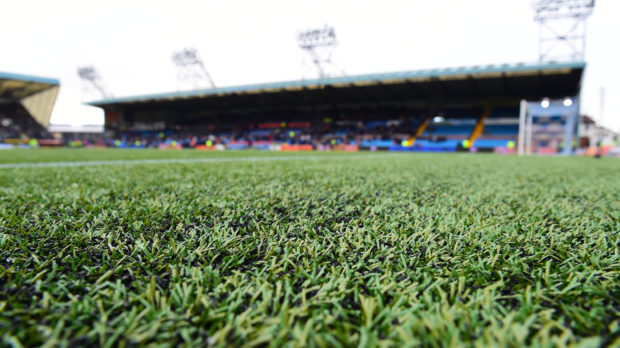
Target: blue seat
260, 132
436, 146
374, 124
449, 130
491, 143
507, 129
377, 143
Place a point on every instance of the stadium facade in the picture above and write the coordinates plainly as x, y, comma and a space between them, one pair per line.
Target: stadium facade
434, 109
26, 104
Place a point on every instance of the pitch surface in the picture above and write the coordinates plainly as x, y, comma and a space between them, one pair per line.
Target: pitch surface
329, 250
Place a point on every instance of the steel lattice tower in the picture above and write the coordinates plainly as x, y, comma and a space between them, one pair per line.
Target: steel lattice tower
191, 69
320, 44
92, 83
562, 31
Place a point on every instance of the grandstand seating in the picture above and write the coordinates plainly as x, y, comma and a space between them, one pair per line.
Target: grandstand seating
299, 125
237, 145
445, 145
374, 111
260, 133
429, 146
339, 133
16, 123
463, 130
393, 135
374, 124
372, 135
270, 125
262, 145
491, 143
346, 135
381, 144
508, 129
500, 128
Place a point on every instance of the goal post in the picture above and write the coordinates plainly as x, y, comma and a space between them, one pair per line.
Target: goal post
548, 126
522, 117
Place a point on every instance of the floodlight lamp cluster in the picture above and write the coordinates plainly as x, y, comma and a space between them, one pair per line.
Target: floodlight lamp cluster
553, 9
92, 81
88, 73
317, 37
186, 57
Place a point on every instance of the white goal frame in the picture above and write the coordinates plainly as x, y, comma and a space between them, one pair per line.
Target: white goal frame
568, 107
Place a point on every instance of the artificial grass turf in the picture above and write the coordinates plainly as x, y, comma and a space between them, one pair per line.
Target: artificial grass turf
393, 250
45, 155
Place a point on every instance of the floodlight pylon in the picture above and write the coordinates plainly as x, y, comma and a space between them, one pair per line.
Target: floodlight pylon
92, 83
320, 44
191, 69
562, 28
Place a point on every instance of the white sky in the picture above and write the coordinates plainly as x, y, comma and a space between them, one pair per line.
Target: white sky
242, 42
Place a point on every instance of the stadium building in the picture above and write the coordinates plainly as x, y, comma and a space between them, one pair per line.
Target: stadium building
26, 104
424, 110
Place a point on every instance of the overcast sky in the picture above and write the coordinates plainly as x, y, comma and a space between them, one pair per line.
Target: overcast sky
242, 42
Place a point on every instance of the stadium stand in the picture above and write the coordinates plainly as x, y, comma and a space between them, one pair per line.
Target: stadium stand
425, 110
26, 104
72, 136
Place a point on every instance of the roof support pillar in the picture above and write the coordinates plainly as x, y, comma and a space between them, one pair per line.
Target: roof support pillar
418, 131
479, 127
